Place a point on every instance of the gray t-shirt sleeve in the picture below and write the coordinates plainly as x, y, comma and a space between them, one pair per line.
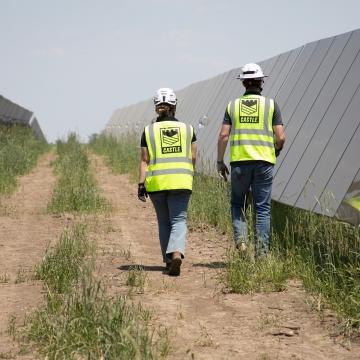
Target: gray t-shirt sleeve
277, 119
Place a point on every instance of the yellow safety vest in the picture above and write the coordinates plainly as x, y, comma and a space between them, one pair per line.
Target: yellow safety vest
252, 135
169, 146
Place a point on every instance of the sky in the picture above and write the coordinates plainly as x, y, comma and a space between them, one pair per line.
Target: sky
73, 62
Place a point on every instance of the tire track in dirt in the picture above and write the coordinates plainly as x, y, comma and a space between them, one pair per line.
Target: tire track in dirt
203, 322
25, 231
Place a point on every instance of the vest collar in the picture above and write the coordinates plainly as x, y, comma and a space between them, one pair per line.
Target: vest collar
166, 118
252, 92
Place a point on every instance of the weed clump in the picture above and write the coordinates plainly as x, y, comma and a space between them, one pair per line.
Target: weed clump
19, 151
76, 189
79, 320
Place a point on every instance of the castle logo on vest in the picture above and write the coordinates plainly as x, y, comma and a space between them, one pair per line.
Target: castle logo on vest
249, 111
170, 140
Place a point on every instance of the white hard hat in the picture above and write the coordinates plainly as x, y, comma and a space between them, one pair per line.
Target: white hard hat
251, 71
165, 95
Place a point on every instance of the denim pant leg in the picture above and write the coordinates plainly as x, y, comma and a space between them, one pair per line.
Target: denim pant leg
261, 191
240, 184
160, 203
178, 201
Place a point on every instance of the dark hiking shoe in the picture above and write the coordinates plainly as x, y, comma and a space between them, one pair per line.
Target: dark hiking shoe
175, 266
167, 268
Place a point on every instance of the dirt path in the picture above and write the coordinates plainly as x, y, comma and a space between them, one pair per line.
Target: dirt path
25, 231
203, 322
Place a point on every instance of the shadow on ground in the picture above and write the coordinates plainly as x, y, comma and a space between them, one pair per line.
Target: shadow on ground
212, 265
141, 267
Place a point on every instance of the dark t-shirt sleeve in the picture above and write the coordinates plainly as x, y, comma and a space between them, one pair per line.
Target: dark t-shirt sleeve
277, 119
227, 118
143, 140
144, 144
194, 137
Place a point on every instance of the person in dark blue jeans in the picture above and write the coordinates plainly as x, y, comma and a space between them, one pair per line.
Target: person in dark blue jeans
254, 126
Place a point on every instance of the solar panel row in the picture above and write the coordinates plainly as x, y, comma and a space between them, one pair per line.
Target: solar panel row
11, 113
317, 89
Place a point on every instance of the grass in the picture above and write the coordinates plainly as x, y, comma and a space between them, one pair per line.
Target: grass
79, 320
4, 278
136, 278
19, 151
89, 324
7, 355
321, 251
243, 275
76, 189
210, 203
326, 257
21, 275
121, 154
62, 265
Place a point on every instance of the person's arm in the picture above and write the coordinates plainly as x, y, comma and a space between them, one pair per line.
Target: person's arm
278, 129
144, 160
222, 141
279, 137
194, 153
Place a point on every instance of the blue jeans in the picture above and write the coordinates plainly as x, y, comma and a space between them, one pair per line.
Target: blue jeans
171, 211
258, 176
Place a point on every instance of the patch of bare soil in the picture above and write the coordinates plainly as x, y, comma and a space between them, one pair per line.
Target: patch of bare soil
25, 231
204, 322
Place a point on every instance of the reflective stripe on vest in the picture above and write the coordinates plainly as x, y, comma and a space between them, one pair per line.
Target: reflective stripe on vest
170, 166
252, 136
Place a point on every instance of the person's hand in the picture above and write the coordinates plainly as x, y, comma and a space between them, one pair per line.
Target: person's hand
142, 194
222, 170
277, 152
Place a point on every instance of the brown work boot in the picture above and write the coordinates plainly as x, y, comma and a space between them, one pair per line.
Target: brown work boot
175, 264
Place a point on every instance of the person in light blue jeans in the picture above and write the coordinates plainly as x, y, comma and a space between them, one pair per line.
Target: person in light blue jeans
171, 211
258, 175
166, 171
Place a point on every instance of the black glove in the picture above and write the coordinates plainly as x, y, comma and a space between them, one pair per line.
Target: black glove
222, 170
277, 152
142, 194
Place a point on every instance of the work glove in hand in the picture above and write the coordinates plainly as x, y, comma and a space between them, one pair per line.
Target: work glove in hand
142, 194
222, 170
277, 152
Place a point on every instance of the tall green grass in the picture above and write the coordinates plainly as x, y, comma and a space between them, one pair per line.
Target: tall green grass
62, 265
243, 275
209, 203
321, 251
326, 255
121, 154
79, 320
76, 189
19, 151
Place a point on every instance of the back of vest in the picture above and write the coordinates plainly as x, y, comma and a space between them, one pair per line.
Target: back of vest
169, 146
252, 136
